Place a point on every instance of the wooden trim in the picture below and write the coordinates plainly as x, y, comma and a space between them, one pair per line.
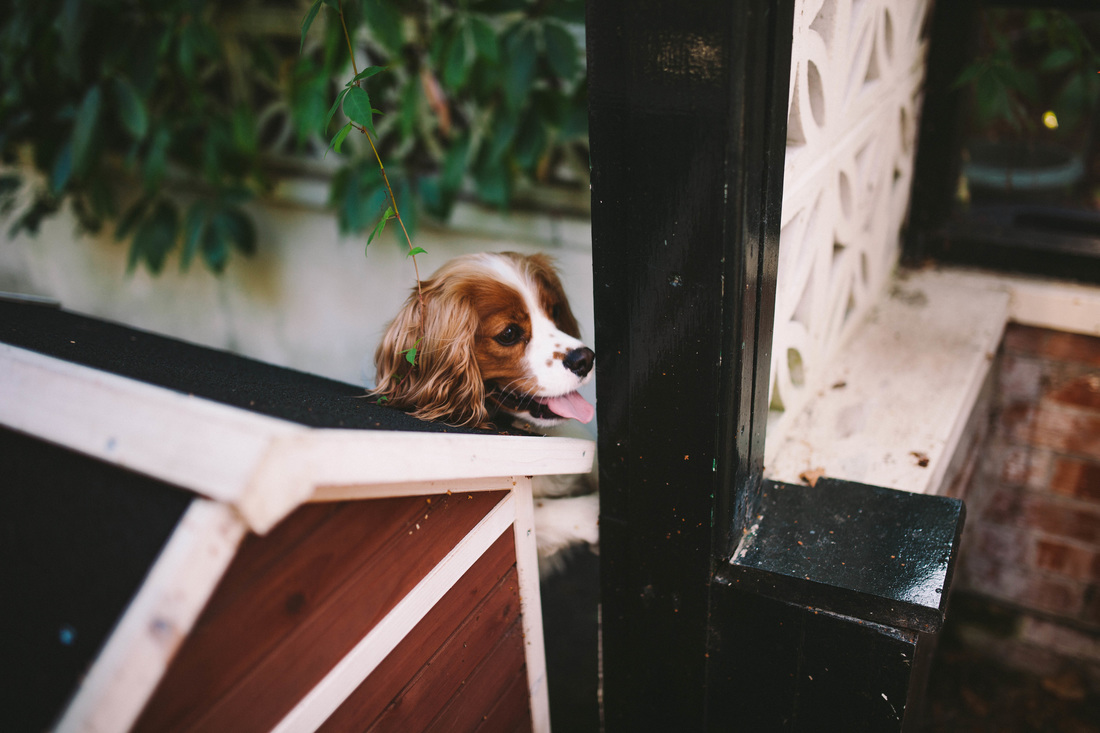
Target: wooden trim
206, 447
317, 705
263, 466
527, 567
355, 492
156, 622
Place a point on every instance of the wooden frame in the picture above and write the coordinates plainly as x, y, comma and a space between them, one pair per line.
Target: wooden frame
250, 471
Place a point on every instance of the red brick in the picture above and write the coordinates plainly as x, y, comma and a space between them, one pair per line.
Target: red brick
1020, 339
1091, 612
1034, 590
1020, 379
1063, 521
1071, 561
1053, 345
1082, 392
1066, 430
1049, 513
1080, 479
1017, 422
1025, 466
1072, 347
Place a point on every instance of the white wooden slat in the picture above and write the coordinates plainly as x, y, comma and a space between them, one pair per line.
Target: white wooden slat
527, 568
156, 622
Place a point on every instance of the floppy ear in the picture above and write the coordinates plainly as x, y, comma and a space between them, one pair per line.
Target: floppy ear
445, 382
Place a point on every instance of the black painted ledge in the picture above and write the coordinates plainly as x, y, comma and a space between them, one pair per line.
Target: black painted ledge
862, 551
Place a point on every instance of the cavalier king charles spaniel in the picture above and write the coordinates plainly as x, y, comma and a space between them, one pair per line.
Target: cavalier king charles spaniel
495, 335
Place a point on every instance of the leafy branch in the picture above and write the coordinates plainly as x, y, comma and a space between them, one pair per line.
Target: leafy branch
356, 104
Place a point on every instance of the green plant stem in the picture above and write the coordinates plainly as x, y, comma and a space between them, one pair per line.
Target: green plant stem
385, 178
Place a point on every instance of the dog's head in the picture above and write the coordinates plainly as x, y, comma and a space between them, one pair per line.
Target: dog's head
497, 335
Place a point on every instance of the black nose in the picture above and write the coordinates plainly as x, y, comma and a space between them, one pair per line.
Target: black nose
579, 361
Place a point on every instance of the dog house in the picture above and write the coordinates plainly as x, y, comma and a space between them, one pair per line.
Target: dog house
198, 541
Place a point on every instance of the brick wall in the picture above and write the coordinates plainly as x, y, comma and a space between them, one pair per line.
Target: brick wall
1032, 540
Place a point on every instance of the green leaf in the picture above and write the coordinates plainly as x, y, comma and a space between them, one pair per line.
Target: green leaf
485, 40
1058, 58
459, 59
308, 21
410, 105
155, 238
357, 108
520, 67
131, 109
194, 229
385, 24
410, 353
62, 169
454, 166
335, 106
561, 50
493, 186
156, 160
416, 251
530, 141
84, 129
338, 139
381, 225
366, 74
238, 229
132, 216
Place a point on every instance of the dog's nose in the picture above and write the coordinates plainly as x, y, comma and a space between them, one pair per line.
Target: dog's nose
579, 361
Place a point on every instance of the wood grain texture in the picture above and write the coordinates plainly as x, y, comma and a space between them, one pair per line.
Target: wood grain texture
414, 682
502, 666
295, 602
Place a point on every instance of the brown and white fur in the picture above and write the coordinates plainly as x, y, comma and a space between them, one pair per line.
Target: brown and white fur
498, 336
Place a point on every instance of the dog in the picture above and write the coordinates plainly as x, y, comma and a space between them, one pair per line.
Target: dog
494, 336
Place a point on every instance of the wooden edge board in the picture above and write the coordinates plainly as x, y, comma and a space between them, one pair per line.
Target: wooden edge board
156, 622
263, 466
197, 444
356, 492
530, 599
327, 695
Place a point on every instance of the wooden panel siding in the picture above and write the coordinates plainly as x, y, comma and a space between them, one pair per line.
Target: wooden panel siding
296, 601
415, 682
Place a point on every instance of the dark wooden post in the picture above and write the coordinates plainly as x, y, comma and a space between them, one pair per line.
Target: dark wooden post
687, 127
727, 600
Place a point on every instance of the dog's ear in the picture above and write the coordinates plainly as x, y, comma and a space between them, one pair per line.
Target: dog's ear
444, 383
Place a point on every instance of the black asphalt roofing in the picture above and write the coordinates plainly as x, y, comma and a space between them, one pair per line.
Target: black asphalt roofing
216, 375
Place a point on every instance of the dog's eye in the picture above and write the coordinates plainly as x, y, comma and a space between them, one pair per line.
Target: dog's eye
555, 312
509, 336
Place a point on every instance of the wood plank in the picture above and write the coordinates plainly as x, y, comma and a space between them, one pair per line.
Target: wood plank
340, 681
484, 687
471, 595
527, 565
447, 672
512, 711
257, 655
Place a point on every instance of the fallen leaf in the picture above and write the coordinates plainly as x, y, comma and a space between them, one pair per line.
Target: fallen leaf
811, 477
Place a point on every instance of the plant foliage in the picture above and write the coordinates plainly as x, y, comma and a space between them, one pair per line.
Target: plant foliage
1032, 61
167, 118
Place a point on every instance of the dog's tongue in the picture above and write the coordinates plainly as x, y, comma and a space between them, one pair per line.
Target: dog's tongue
571, 405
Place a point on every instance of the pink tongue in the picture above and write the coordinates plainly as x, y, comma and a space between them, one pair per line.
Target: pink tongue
571, 405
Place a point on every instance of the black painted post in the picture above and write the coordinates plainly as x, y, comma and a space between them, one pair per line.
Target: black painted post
729, 602
687, 128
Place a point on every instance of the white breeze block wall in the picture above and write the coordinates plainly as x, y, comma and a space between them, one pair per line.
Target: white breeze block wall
857, 70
